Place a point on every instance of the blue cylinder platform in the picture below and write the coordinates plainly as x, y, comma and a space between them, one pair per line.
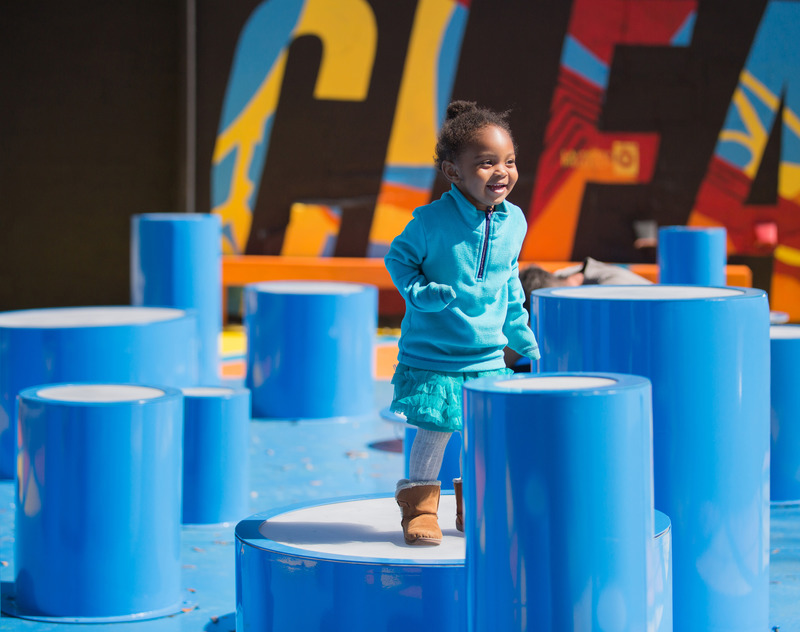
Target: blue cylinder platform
707, 353
215, 454
97, 532
310, 348
690, 255
785, 418
176, 261
659, 596
342, 566
90, 344
558, 502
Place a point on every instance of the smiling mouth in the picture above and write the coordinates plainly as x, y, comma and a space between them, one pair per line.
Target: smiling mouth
496, 188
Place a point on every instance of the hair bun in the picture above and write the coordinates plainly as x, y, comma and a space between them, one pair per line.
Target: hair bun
459, 107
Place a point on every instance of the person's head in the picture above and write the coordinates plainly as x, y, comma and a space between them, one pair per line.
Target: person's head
534, 277
476, 152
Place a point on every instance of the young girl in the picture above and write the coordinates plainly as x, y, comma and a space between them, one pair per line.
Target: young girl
455, 264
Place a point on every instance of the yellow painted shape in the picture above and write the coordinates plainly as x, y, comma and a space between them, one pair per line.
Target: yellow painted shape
310, 226
388, 223
754, 139
788, 255
349, 34
789, 181
415, 124
349, 37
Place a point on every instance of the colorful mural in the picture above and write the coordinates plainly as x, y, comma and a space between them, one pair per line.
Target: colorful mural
667, 111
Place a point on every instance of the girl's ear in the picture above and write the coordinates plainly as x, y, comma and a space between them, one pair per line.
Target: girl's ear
450, 172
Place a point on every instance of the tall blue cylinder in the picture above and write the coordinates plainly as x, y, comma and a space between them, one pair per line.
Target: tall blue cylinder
97, 535
706, 352
310, 348
785, 419
86, 344
176, 261
558, 502
690, 255
215, 454
660, 576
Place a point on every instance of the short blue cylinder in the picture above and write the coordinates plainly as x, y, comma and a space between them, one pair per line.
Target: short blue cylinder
176, 261
785, 418
326, 578
706, 352
691, 255
98, 502
215, 454
310, 348
558, 502
88, 344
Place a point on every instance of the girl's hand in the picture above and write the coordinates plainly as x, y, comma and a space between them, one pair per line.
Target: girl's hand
434, 297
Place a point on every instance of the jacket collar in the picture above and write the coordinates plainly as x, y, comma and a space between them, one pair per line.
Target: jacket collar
465, 205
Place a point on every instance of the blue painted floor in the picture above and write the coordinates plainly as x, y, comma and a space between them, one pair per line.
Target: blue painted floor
293, 462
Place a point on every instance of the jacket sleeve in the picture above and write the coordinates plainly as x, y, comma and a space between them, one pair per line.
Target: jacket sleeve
516, 329
404, 263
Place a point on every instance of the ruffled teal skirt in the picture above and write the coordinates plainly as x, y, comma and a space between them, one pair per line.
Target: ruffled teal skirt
432, 399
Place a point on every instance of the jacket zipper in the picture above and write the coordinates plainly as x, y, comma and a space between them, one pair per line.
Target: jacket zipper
487, 226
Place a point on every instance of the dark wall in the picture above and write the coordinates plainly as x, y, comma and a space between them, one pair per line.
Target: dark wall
90, 134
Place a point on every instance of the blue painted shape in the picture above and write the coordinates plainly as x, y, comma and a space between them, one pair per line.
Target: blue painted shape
98, 531
176, 261
683, 36
706, 352
310, 350
126, 348
558, 502
785, 414
215, 459
580, 60
689, 255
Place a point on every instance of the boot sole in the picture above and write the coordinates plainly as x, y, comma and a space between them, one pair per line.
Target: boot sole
424, 541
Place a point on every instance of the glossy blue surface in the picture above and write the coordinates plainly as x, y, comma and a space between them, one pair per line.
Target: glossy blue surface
558, 497
176, 261
310, 348
215, 438
785, 418
660, 576
708, 361
691, 255
98, 496
282, 588
159, 352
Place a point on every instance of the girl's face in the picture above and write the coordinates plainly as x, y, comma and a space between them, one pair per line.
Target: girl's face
486, 171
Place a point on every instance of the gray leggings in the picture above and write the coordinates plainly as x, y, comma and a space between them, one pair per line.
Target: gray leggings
427, 453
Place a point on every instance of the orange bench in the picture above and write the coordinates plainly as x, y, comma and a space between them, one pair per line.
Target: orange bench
239, 270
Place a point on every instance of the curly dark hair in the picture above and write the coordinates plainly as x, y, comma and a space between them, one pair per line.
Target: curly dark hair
464, 119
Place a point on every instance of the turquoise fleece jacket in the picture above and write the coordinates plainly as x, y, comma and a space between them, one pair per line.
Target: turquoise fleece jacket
457, 268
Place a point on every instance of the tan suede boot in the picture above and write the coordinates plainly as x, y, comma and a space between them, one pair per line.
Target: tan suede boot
459, 505
419, 503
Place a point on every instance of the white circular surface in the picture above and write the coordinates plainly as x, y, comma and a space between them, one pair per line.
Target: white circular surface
555, 383
645, 292
307, 287
206, 391
784, 331
87, 316
99, 393
362, 528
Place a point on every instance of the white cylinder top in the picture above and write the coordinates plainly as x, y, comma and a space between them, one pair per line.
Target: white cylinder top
365, 528
555, 383
784, 331
206, 391
645, 292
308, 287
99, 393
87, 316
